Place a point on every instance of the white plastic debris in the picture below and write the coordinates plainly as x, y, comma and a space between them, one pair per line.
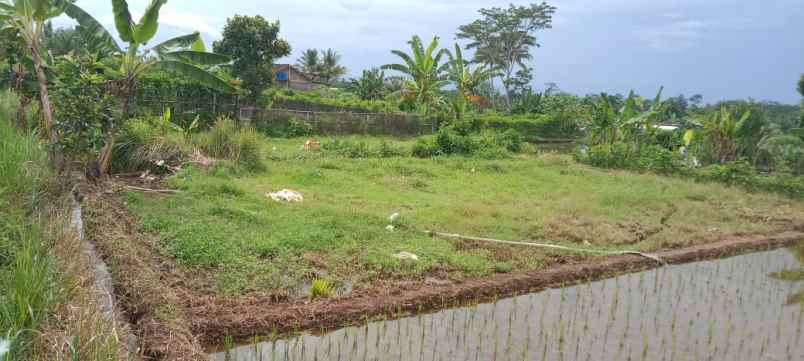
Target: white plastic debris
393, 217
286, 195
389, 228
406, 255
5, 346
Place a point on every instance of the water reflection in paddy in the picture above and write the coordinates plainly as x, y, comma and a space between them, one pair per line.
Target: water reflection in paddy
729, 309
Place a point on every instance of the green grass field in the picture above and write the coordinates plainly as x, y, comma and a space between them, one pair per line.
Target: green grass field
224, 224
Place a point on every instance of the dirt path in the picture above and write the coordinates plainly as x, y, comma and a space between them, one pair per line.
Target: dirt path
175, 313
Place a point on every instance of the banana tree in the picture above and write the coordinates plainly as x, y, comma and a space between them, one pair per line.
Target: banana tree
466, 80
721, 131
184, 56
426, 75
28, 18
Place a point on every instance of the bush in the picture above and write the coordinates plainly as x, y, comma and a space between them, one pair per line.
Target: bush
142, 144
360, 149
228, 141
84, 111
450, 142
488, 144
532, 127
663, 161
325, 99
628, 156
426, 147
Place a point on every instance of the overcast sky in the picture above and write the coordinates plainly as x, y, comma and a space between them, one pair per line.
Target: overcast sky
722, 49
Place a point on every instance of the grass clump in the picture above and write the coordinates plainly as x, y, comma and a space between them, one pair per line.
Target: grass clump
321, 288
141, 145
227, 140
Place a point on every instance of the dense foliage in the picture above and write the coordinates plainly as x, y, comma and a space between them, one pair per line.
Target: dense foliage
84, 110
503, 37
326, 99
253, 43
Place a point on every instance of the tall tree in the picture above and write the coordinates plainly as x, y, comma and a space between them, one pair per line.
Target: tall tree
502, 38
184, 56
29, 17
310, 63
331, 69
425, 74
322, 66
253, 43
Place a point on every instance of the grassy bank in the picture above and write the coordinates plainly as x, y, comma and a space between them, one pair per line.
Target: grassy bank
223, 224
46, 304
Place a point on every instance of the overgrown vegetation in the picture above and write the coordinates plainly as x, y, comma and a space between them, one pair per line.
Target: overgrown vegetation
224, 222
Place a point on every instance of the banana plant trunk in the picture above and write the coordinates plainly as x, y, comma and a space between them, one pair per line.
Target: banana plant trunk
47, 111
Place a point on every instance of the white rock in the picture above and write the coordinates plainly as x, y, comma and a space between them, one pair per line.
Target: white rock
389, 228
393, 217
406, 255
286, 195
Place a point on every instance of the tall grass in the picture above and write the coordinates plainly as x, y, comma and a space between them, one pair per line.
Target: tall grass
141, 144
8, 105
26, 268
226, 140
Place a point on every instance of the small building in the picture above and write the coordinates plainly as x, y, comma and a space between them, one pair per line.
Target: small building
287, 76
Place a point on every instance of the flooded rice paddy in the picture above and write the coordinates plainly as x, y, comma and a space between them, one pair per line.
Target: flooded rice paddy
729, 309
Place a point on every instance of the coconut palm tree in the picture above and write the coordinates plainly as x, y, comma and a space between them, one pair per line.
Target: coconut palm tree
466, 80
310, 64
330, 68
424, 73
184, 56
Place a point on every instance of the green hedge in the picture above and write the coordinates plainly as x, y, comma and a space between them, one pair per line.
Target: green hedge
533, 127
325, 100
660, 160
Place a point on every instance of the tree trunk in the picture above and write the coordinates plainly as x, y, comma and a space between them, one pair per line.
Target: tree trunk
44, 96
56, 158
507, 86
105, 156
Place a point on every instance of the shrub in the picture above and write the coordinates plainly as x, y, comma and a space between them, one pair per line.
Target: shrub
628, 156
228, 141
142, 143
360, 149
298, 128
83, 110
325, 99
426, 147
450, 142
530, 126
510, 139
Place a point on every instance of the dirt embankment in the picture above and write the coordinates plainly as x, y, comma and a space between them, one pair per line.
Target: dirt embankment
174, 313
